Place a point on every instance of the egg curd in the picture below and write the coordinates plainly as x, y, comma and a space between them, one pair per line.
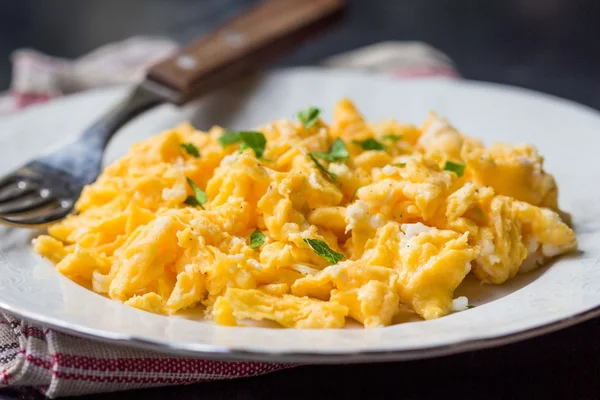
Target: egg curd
308, 224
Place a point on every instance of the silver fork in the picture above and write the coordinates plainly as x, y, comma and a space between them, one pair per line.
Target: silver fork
46, 189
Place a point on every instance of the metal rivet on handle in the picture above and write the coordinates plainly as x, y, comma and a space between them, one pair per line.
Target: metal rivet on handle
234, 39
186, 62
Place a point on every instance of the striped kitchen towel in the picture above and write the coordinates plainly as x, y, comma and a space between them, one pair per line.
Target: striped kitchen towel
64, 365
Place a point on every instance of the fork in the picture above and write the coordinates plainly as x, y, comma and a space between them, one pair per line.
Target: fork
46, 189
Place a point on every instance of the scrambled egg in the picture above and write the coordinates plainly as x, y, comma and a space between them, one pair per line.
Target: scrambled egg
308, 224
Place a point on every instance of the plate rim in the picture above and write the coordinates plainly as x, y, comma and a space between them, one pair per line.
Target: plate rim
219, 352
222, 353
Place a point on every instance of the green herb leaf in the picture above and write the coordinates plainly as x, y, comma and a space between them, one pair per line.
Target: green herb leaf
399, 165
338, 152
192, 202
191, 149
309, 117
470, 306
243, 146
370, 144
323, 156
257, 239
458, 169
392, 138
322, 168
250, 139
229, 138
256, 141
323, 251
199, 197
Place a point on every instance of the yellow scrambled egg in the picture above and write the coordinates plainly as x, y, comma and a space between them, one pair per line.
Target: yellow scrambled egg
308, 224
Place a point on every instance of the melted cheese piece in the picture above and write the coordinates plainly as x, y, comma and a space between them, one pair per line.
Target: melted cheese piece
409, 231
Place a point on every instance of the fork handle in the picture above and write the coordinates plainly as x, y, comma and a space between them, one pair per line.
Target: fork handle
242, 45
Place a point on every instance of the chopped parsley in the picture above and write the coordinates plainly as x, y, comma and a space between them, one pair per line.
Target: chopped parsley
322, 168
457, 168
338, 152
309, 117
323, 251
470, 306
199, 197
191, 149
230, 137
399, 165
249, 139
370, 144
322, 156
257, 239
392, 138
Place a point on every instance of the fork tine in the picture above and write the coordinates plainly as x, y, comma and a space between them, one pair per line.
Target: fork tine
25, 204
16, 190
6, 180
33, 212
39, 219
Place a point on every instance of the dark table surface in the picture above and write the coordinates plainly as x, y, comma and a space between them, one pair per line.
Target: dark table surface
547, 45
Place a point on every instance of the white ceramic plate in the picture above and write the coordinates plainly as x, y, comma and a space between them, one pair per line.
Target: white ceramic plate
566, 292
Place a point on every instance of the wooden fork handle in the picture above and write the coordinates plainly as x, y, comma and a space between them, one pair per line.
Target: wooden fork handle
242, 45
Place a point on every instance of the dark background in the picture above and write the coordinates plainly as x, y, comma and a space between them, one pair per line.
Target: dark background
547, 45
